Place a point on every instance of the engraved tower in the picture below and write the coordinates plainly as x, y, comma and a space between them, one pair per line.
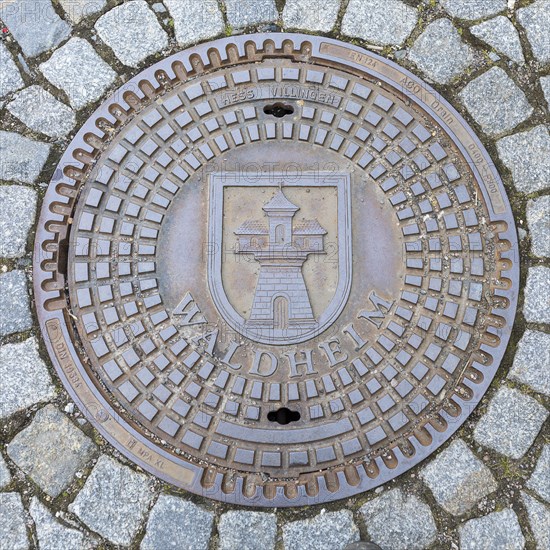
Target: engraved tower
281, 305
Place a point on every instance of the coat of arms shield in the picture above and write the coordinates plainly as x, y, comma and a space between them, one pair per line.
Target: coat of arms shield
280, 259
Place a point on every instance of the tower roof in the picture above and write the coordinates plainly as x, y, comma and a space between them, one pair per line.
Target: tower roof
309, 227
252, 227
280, 203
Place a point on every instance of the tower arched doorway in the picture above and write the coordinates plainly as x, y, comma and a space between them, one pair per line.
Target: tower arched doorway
280, 313
280, 234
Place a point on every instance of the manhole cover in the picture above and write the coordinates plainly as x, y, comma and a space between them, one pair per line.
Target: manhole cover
276, 270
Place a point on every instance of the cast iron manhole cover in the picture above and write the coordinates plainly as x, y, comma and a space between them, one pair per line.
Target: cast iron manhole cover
276, 270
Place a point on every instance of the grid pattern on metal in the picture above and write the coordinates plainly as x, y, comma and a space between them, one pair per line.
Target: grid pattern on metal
414, 366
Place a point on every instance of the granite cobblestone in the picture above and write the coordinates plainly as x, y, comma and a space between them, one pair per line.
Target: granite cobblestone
511, 423
312, 15
333, 530
399, 521
380, 22
535, 19
194, 21
132, 31
497, 530
79, 71
77, 10
35, 25
14, 303
247, 530
440, 53
25, 378
22, 158
41, 112
52, 535
473, 9
501, 34
545, 85
13, 529
537, 295
495, 102
457, 479
538, 221
540, 480
5, 476
113, 501
51, 450
17, 214
539, 520
10, 79
531, 361
244, 13
174, 519
527, 155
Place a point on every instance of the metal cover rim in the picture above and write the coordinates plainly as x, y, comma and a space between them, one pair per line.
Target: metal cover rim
124, 436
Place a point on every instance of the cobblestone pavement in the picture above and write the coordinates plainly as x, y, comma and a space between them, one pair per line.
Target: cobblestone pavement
63, 487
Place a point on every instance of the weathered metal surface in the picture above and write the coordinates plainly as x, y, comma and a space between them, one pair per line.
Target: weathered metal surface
276, 270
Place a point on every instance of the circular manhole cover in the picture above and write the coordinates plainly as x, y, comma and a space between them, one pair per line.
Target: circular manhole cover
276, 270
